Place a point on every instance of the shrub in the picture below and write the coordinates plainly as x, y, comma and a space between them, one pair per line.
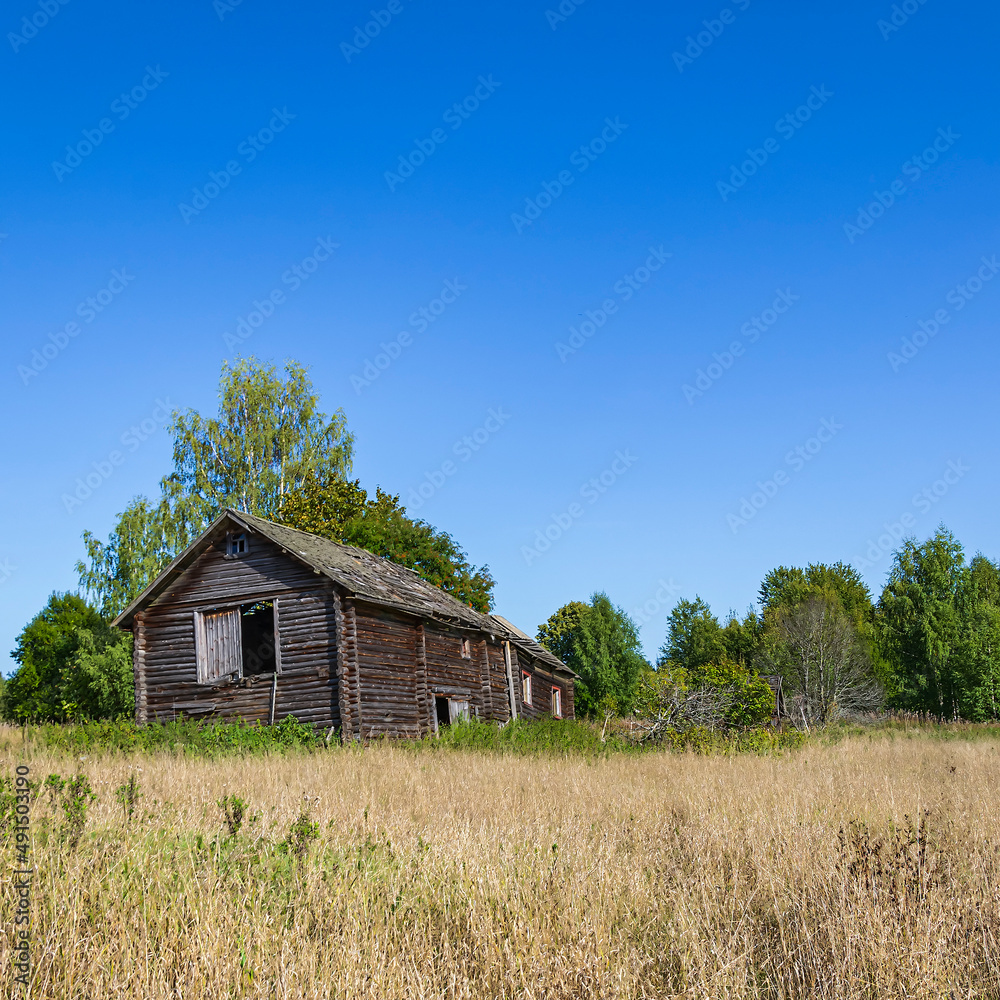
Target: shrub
233, 809
188, 736
524, 736
127, 796
301, 834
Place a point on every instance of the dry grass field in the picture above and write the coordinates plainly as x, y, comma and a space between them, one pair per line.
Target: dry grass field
866, 868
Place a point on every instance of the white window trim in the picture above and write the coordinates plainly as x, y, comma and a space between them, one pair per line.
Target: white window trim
231, 536
557, 700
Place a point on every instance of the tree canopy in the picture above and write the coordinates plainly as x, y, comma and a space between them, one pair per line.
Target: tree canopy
270, 436
940, 628
72, 665
343, 511
787, 587
601, 643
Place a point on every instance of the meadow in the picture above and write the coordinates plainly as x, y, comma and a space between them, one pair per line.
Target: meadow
862, 866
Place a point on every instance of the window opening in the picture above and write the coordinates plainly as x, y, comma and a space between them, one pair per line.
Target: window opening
257, 622
236, 642
236, 544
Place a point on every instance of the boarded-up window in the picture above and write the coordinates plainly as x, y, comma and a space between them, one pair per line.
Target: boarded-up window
219, 644
557, 703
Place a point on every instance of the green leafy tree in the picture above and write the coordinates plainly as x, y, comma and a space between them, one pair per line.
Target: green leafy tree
979, 657
601, 643
71, 664
939, 622
696, 659
342, 511
694, 636
921, 625
744, 640
268, 439
556, 634
98, 681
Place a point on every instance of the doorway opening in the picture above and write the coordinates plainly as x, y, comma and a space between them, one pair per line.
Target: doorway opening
442, 711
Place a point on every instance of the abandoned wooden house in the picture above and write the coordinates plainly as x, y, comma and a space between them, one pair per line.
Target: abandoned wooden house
258, 621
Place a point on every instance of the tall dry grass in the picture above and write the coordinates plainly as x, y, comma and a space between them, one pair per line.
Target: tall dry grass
463, 875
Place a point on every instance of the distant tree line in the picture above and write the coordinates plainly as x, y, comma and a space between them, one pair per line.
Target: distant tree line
931, 643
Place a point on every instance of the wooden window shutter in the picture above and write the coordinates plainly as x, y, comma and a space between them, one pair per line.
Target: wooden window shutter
219, 640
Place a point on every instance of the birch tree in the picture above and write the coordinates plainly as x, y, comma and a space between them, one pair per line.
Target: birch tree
269, 438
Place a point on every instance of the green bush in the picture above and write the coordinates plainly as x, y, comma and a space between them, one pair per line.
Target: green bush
523, 736
761, 740
72, 665
188, 736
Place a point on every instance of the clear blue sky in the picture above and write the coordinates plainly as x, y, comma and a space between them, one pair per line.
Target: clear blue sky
602, 154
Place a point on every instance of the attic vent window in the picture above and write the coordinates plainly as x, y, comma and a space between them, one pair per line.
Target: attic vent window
236, 544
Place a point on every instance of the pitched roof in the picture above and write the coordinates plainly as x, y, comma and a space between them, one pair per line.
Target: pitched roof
530, 646
359, 572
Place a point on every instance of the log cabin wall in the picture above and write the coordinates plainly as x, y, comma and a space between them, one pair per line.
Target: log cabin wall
404, 662
138, 667
166, 662
498, 682
543, 681
449, 673
387, 672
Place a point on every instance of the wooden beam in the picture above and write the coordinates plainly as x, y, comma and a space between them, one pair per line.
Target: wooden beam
510, 680
343, 680
351, 668
425, 704
484, 673
274, 697
139, 665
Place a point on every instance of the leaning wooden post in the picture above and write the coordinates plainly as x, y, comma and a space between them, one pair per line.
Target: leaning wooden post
510, 679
